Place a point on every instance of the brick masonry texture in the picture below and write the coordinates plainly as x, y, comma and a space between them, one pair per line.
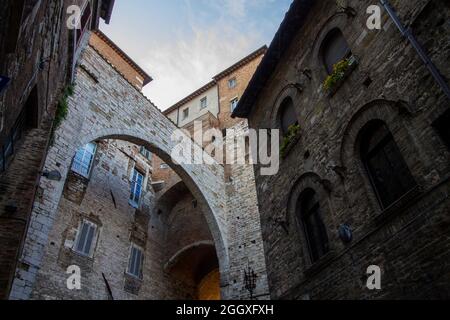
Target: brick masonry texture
409, 241
38, 65
105, 108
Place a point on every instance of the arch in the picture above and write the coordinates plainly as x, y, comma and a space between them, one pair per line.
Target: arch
379, 109
320, 187
395, 115
337, 21
389, 175
111, 108
174, 259
181, 170
292, 91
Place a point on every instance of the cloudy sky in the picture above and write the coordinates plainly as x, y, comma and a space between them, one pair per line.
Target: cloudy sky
182, 44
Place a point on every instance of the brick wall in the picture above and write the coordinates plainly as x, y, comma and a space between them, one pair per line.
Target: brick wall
109, 52
243, 76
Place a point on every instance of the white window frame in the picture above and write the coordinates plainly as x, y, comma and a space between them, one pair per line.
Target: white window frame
130, 262
133, 186
236, 99
78, 238
203, 103
77, 167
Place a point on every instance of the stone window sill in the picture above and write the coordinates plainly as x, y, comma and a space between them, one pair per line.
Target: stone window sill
133, 277
353, 63
397, 207
320, 264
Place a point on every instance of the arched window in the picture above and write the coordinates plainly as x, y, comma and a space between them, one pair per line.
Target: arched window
387, 170
310, 214
288, 116
334, 49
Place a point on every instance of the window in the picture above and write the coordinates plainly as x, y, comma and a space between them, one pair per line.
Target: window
232, 83
137, 180
442, 125
185, 113
146, 153
334, 49
310, 215
82, 163
164, 166
288, 117
136, 261
85, 238
27, 119
234, 104
204, 103
385, 166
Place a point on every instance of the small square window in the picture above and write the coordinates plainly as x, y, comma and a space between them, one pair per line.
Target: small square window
204, 103
85, 238
135, 262
234, 104
232, 83
185, 113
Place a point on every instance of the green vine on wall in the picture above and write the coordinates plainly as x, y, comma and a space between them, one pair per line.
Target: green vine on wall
62, 109
288, 138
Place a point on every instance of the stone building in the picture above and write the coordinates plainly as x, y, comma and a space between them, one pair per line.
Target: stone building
38, 54
128, 235
364, 172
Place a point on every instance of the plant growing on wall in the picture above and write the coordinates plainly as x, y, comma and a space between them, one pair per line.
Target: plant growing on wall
288, 138
340, 70
62, 109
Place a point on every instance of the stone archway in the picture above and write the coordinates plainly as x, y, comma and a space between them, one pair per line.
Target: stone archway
106, 106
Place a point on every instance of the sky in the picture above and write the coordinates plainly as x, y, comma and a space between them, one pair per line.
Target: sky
182, 44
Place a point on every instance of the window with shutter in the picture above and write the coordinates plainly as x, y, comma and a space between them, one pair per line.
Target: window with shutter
85, 238
136, 262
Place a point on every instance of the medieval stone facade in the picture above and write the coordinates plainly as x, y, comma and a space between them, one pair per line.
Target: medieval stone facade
364, 174
37, 56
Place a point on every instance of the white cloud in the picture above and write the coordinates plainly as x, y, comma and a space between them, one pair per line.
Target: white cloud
183, 64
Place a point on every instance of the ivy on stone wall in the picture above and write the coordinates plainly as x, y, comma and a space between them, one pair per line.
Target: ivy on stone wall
62, 109
289, 138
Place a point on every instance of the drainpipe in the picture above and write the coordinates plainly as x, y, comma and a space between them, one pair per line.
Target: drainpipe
420, 51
